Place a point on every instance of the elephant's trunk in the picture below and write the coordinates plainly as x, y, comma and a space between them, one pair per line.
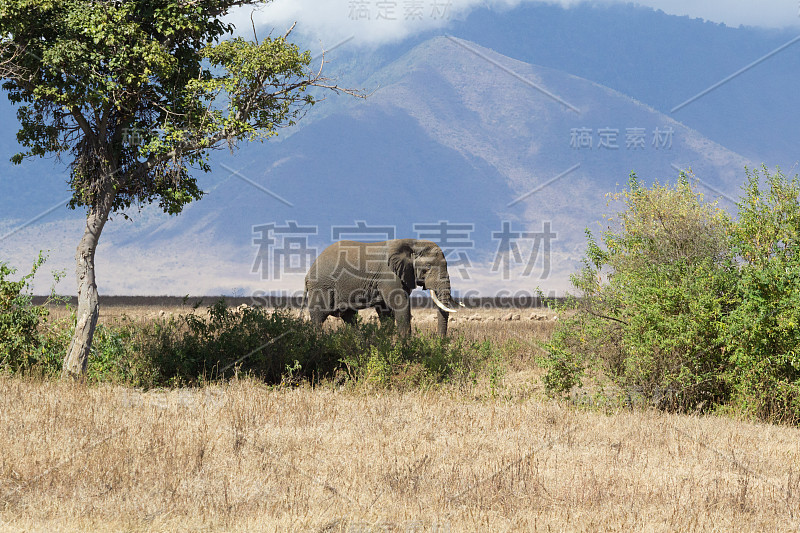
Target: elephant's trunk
441, 305
444, 301
442, 323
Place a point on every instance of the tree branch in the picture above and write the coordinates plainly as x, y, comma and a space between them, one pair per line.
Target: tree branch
598, 315
84, 125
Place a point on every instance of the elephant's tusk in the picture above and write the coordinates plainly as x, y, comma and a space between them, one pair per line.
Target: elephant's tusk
440, 304
461, 304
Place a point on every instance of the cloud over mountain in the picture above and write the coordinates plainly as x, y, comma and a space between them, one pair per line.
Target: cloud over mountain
504, 162
373, 22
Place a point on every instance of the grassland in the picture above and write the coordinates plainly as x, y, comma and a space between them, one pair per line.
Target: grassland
241, 456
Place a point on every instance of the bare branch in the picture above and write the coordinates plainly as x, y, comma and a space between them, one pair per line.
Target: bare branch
288, 32
253, 23
318, 80
12, 52
598, 315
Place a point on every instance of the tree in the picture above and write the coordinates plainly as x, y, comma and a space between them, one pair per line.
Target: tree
653, 292
763, 331
137, 93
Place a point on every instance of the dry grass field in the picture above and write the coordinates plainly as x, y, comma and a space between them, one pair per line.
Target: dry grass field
246, 457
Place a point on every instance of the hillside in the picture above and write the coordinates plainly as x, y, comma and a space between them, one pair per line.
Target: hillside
664, 60
455, 133
659, 59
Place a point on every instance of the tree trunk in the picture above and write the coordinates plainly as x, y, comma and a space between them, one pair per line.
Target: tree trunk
77, 356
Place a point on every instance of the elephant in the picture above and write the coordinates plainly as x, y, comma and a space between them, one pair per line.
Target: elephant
350, 275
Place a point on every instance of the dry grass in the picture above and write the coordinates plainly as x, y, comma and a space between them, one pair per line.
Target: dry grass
112, 314
243, 457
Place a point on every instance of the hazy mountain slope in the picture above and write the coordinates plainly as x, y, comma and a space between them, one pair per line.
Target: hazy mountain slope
664, 60
456, 133
659, 59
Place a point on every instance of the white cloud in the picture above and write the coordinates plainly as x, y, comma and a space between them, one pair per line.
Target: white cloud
365, 21
381, 21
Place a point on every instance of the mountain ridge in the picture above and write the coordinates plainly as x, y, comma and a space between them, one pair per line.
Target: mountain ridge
449, 137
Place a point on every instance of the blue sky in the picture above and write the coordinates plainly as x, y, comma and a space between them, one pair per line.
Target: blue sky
371, 22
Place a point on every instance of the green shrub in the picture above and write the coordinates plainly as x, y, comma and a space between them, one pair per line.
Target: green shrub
26, 345
276, 347
374, 354
119, 356
19, 319
195, 348
653, 296
763, 331
570, 350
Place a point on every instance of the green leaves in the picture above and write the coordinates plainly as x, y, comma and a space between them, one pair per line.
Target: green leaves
20, 338
653, 295
769, 225
687, 307
138, 92
764, 329
253, 78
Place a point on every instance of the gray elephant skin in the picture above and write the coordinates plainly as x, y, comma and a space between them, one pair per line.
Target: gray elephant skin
350, 275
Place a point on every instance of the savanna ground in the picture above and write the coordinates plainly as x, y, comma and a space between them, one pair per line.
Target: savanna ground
492, 454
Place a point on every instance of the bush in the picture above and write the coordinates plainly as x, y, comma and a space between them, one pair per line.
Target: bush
24, 346
117, 353
378, 357
653, 296
763, 331
276, 347
685, 307
208, 344
195, 348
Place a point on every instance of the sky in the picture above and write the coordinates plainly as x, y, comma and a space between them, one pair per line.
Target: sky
375, 22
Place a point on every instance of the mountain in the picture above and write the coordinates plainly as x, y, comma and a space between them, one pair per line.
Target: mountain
658, 59
661, 60
508, 157
664, 61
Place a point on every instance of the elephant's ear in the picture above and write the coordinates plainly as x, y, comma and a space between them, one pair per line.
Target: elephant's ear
401, 262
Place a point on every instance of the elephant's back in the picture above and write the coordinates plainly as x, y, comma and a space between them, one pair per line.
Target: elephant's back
351, 252
352, 249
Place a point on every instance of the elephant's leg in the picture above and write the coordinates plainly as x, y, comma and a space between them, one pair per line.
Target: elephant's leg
442, 320
349, 316
317, 306
317, 316
385, 314
402, 318
399, 304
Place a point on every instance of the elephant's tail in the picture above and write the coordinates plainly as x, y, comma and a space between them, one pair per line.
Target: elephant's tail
304, 306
